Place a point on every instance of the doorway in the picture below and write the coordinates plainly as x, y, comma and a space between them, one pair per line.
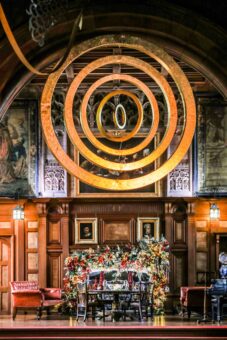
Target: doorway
221, 246
5, 274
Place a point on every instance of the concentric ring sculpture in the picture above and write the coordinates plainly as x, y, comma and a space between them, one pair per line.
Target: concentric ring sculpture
110, 157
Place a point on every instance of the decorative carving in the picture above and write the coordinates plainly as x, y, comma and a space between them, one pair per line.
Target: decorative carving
44, 14
179, 180
65, 208
191, 208
41, 208
54, 177
168, 208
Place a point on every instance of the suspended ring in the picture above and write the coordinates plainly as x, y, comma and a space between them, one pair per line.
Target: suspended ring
139, 121
85, 151
83, 115
187, 98
117, 124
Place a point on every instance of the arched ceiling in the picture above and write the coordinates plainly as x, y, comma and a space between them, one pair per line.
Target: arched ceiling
194, 32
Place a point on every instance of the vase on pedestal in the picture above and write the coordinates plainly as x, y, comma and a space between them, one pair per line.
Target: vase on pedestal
223, 268
223, 271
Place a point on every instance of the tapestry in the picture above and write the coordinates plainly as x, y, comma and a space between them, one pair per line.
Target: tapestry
18, 150
211, 147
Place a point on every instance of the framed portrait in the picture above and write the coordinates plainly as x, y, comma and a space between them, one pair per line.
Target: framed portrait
86, 231
148, 227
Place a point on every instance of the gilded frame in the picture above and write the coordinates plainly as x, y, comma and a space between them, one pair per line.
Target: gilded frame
88, 236
154, 223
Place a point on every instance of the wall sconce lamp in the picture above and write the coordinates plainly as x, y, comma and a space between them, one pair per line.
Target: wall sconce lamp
18, 211
214, 211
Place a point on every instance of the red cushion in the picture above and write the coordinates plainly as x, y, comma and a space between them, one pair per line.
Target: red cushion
52, 293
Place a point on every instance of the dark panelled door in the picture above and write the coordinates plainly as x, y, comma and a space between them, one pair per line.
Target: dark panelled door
5, 275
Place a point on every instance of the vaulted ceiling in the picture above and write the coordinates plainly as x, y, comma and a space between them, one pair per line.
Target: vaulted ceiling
194, 33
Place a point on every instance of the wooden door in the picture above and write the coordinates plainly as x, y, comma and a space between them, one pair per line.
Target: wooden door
5, 275
221, 246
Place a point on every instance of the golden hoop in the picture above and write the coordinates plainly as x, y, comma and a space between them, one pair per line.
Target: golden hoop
187, 98
123, 152
74, 135
123, 117
99, 112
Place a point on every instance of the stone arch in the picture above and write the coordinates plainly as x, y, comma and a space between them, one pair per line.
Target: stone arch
183, 34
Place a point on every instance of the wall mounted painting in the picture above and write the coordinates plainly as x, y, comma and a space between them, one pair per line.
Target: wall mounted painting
86, 231
148, 227
116, 231
211, 147
85, 190
18, 150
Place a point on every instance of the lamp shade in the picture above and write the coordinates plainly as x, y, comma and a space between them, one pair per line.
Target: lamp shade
18, 213
214, 211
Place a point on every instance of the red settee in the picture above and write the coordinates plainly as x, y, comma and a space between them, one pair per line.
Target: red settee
28, 295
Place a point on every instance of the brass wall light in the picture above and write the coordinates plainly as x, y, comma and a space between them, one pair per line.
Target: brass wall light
18, 211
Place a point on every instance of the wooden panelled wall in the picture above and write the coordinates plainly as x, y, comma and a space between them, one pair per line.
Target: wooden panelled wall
35, 249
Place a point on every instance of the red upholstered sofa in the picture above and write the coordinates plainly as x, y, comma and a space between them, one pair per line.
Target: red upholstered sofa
28, 295
192, 300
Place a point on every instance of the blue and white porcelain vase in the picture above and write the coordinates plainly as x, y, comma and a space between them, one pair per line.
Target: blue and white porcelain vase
223, 268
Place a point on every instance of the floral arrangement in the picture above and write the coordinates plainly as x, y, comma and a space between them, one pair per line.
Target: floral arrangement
149, 256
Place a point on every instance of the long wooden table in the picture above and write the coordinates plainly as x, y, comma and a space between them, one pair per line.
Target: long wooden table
116, 311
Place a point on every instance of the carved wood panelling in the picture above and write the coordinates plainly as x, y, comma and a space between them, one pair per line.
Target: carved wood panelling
191, 236
201, 241
179, 232
54, 232
33, 277
20, 250
32, 224
32, 261
32, 240
223, 224
4, 301
179, 270
201, 224
42, 251
201, 261
54, 270
4, 252
32, 250
5, 274
5, 225
135, 208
